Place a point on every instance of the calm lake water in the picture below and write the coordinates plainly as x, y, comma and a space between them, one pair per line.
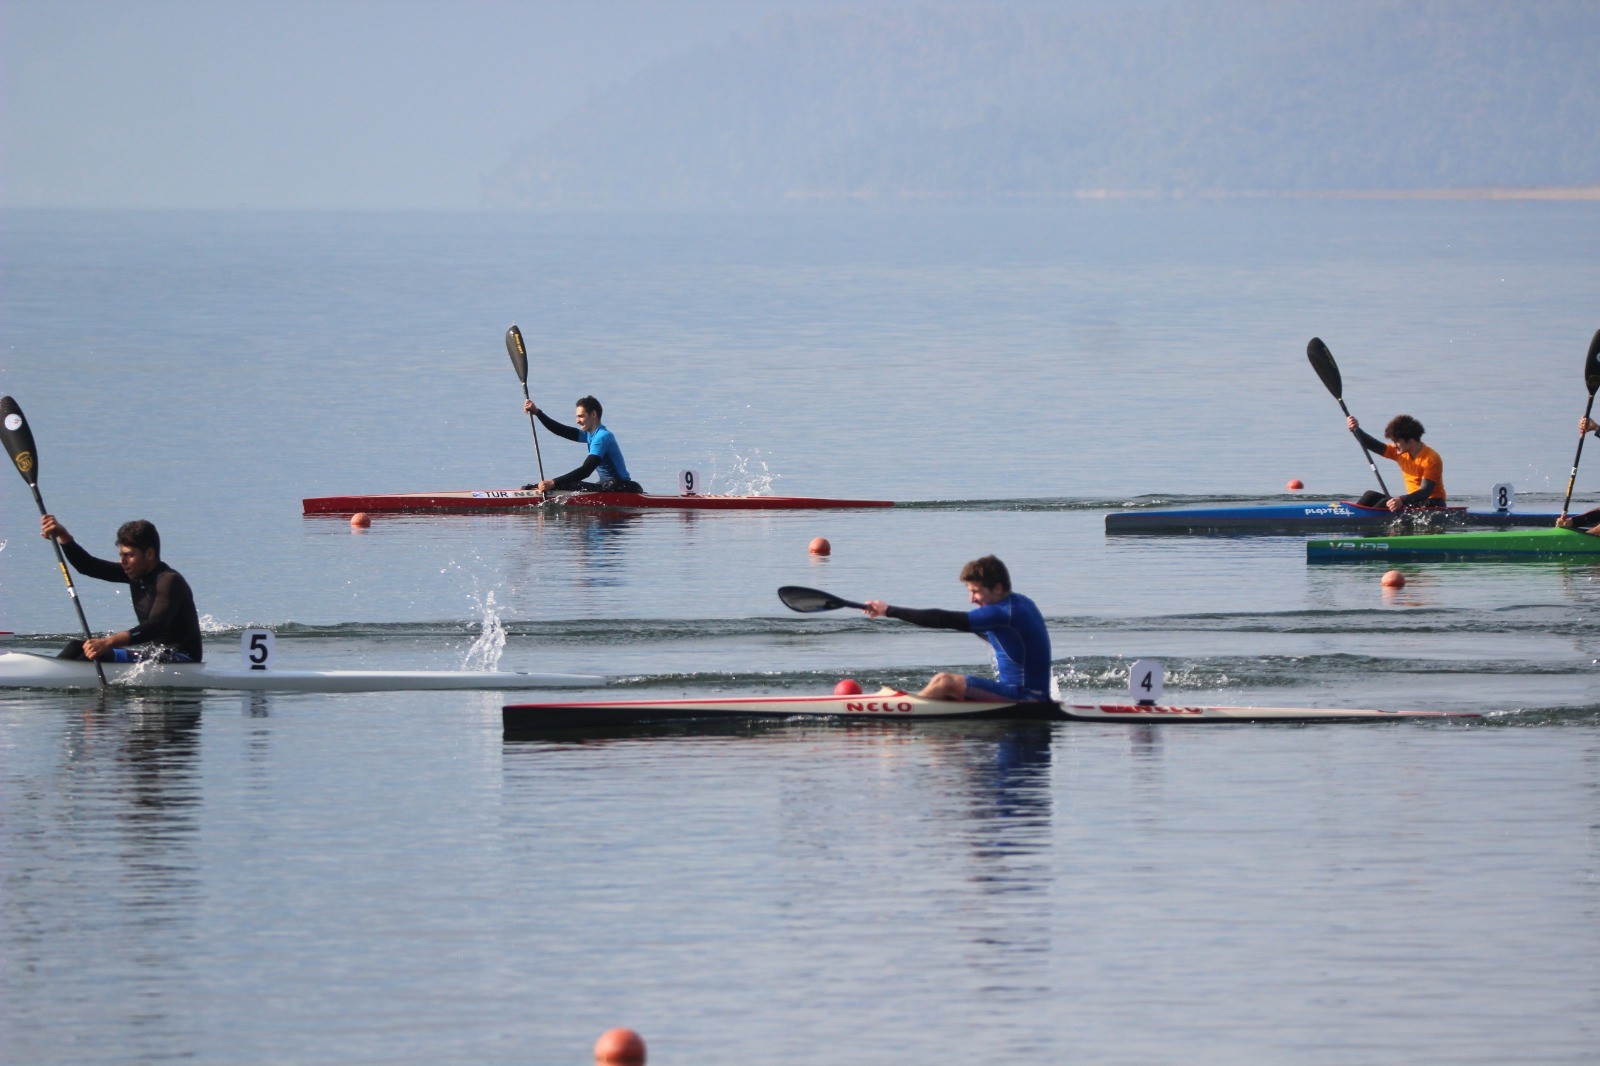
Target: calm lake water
383, 878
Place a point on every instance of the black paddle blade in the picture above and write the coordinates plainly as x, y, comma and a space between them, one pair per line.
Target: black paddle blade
1322, 362
1591, 366
518, 352
810, 601
18, 440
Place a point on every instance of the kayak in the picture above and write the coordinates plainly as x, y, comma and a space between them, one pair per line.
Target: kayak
1338, 516
1472, 544
889, 704
21, 669
477, 500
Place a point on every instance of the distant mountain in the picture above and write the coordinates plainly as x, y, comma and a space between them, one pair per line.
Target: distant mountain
993, 102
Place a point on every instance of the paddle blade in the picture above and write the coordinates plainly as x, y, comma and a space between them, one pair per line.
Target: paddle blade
810, 601
1322, 362
518, 352
18, 440
1591, 366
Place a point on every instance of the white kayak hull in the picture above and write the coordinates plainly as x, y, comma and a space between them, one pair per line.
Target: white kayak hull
28, 670
893, 705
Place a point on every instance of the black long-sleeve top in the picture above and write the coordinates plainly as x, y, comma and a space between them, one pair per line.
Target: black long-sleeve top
162, 601
590, 463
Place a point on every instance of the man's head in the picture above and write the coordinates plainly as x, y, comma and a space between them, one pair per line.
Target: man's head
138, 547
987, 580
586, 412
1406, 433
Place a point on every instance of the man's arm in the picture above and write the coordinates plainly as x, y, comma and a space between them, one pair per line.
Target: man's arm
1423, 494
573, 477
160, 624
88, 565
1369, 442
569, 432
930, 618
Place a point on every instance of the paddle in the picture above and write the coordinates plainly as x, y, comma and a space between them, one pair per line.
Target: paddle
810, 601
1591, 380
519, 361
1322, 362
19, 445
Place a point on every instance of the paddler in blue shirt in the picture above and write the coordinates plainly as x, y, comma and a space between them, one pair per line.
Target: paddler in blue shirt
605, 455
1009, 621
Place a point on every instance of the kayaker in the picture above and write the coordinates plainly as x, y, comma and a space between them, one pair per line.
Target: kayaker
1589, 521
605, 455
1009, 621
168, 629
1419, 464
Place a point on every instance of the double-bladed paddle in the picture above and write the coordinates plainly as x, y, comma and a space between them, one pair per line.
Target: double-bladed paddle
810, 601
18, 440
1322, 362
519, 362
1591, 381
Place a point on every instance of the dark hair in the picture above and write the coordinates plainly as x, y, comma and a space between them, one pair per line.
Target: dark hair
987, 572
590, 404
139, 534
1403, 427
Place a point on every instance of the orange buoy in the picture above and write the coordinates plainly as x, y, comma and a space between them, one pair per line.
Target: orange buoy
1295, 484
847, 687
1394, 579
820, 546
621, 1046
360, 520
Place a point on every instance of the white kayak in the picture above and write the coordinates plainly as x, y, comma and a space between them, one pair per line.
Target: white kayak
894, 705
20, 669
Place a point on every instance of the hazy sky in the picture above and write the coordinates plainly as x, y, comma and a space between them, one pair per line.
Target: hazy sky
309, 103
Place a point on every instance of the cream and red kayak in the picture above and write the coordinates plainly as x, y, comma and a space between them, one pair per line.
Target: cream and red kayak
481, 500
893, 705
20, 669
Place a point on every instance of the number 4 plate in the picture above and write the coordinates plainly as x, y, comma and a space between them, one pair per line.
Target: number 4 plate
1145, 681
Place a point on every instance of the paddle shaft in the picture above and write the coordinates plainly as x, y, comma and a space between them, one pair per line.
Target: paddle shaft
1573, 477
533, 423
1357, 435
66, 575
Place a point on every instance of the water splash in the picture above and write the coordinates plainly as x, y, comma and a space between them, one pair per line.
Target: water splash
485, 652
748, 475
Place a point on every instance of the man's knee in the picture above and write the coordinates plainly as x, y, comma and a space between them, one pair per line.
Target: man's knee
946, 687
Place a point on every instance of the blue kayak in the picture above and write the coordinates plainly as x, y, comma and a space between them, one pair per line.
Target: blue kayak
1338, 516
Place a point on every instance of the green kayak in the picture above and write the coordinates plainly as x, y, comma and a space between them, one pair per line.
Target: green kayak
1479, 544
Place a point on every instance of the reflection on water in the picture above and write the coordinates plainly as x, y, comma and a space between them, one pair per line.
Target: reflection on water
111, 840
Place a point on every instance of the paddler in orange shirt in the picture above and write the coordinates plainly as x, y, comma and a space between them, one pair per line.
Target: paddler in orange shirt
1419, 464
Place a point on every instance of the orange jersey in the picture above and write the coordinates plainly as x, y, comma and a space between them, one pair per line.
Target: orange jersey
1426, 464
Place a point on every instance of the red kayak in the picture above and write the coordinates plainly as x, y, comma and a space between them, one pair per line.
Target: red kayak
476, 500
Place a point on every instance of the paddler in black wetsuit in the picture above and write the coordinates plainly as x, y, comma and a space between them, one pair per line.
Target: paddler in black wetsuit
1589, 521
168, 629
605, 454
